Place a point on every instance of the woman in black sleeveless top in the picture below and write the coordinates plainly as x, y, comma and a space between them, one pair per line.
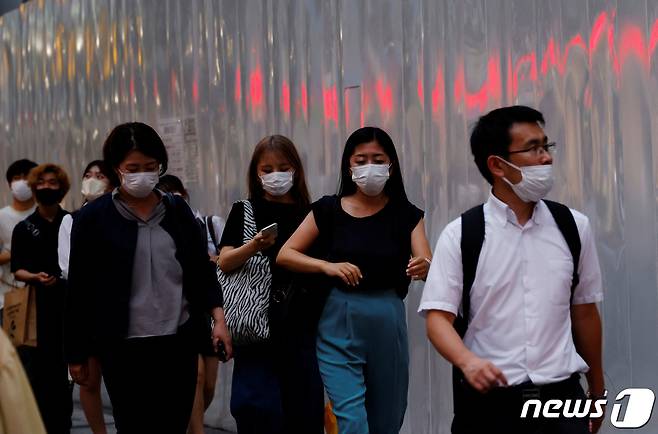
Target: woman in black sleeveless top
374, 243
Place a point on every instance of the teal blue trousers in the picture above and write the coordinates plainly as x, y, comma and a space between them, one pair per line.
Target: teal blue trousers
363, 356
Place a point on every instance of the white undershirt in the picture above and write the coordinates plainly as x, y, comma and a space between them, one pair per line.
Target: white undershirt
64, 244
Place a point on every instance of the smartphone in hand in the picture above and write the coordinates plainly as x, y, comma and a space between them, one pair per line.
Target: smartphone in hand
272, 229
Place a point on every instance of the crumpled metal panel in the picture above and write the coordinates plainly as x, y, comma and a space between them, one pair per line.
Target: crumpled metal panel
424, 70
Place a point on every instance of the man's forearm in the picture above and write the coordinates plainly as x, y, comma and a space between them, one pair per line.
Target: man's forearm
445, 339
587, 334
5, 257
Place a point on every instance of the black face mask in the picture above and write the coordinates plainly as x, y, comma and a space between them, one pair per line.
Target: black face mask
48, 196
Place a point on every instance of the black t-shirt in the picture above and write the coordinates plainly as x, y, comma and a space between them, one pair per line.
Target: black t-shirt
288, 217
380, 244
34, 244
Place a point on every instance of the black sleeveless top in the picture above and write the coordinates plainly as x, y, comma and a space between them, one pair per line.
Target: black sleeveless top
380, 244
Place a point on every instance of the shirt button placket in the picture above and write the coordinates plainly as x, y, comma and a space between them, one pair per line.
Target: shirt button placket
526, 281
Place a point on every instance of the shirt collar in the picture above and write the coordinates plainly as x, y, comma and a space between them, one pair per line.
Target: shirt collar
128, 213
116, 194
502, 213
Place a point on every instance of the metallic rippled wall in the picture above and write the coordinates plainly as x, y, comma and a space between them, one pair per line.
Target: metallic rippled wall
316, 70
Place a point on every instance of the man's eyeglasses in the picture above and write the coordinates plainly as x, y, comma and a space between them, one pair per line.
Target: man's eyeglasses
536, 150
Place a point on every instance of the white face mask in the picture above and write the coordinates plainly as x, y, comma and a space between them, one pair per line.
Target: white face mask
93, 188
536, 181
277, 183
139, 184
371, 178
21, 190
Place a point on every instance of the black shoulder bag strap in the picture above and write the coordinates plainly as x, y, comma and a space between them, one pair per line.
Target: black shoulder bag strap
211, 231
472, 238
567, 226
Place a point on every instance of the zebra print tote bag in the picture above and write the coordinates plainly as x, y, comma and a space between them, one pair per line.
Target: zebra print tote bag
247, 291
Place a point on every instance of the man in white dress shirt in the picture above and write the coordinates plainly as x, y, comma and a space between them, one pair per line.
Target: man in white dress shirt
528, 335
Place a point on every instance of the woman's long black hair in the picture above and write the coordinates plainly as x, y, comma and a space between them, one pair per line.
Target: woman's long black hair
394, 186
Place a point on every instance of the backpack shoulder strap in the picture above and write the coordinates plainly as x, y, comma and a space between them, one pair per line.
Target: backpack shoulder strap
211, 230
567, 226
472, 238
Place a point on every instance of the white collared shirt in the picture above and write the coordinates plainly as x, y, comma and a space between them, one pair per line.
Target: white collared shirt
520, 312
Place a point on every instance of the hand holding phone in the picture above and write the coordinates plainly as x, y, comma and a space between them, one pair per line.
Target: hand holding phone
265, 238
271, 230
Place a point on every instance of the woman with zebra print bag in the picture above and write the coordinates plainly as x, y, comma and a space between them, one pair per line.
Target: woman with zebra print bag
276, 382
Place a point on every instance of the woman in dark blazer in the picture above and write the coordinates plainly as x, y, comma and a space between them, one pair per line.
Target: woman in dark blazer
139, 282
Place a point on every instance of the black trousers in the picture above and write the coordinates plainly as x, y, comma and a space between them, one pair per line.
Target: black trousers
151, 382
45, 366
277, 388
302, 391
256, 391
499, 411
48, 376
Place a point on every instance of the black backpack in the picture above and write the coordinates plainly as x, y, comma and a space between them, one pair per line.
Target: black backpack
472, 238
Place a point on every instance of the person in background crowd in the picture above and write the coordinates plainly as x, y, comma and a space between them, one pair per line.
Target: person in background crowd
96, 181
213, 225
18, 410
375, 244
34, 261
21, 207
532, 322
276, 383
139, 278
211, 228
